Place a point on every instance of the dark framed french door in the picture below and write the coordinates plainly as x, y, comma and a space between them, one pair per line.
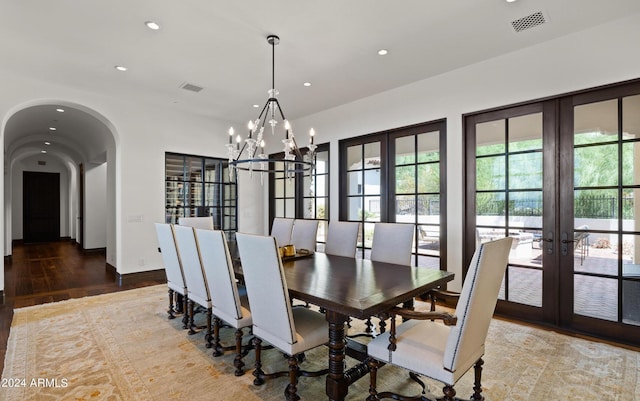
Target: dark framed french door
560, 176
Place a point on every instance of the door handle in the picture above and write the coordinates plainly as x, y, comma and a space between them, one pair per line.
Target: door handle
565, 240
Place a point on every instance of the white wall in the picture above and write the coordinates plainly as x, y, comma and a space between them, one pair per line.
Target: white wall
31, 164
601, 55
95, 207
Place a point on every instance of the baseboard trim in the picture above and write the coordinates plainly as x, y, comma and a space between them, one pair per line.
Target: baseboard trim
134, 278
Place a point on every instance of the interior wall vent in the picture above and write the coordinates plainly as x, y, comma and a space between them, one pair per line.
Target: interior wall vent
42, 163
191, 87
528, 22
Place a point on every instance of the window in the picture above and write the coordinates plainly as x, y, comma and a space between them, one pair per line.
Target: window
306, 195
200, 186
398, 176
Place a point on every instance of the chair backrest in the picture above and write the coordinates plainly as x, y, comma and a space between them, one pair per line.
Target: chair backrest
193, 272
172, 267
266, 286
218, 268
281, 229
197, 222
342, 238
392, 243
477, 303
304, 234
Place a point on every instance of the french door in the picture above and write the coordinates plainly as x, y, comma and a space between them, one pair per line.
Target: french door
561, 176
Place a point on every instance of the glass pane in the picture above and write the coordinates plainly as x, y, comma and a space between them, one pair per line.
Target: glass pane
490, 173
355, 209
525, 285
596, 166
372, 208
595, 297
308, 185
372, 155
490, 137
595, 252
490, 204
523, 205
322, 186
429, 209
598, 205
630, 211
631, 117
429, 177
630, 297
405, 208
630, 159
429, 240
354, 183
406, 179
372, 182
174, 167
309, 208
525, 171
596, 122
525, 132
523, 250
194, 169
321, 208
323, 226
405, 150
429, 147
354, 157
279, 203
429, 262
368, 235
279, 189
322, 162
279, 166
290, 208
211, 170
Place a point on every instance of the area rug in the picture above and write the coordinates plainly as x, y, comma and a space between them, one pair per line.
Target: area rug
121, 346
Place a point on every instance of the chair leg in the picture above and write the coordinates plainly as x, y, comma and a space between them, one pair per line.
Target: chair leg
449, 393
209, 334
191, 323
258, 373
373, 370
237, 362
185, 314
291, 391
477, 386
217, 348
171, 311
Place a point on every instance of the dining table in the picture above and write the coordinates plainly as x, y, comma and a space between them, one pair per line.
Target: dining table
347, 287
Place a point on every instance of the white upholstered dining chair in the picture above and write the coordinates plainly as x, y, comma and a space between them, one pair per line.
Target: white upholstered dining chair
292, 330
173, 270
342, 238
197, 222
392, 243
304, 234
281, 229
194, 277
228, 305
445, 352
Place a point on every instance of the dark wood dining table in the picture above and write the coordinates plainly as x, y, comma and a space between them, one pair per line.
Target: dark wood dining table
349, 287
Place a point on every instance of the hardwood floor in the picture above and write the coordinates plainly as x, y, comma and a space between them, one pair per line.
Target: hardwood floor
51, 272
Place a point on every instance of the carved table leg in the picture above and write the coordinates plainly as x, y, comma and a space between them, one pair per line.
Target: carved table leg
477, 386
217, 347
337, 384
237, 361
258, 373
170, 311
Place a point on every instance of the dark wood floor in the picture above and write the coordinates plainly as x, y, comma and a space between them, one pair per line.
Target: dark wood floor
41, 273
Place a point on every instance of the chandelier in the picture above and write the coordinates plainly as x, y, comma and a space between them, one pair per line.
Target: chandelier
248, 154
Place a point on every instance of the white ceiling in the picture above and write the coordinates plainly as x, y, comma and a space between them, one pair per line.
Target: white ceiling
221, 46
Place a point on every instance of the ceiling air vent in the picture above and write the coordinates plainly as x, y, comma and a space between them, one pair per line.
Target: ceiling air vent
42, 163
530, 21
191, 87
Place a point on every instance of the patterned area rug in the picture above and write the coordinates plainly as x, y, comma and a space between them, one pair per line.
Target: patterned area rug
122, 347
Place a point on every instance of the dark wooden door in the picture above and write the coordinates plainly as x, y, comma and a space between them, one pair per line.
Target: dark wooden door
41, 206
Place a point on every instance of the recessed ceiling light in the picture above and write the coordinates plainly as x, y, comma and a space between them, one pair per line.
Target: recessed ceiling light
307, 84
47, 143
60, 110
52, 128
383, 52
256, 106
511, 1
120, 68
152, 25
43, 151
